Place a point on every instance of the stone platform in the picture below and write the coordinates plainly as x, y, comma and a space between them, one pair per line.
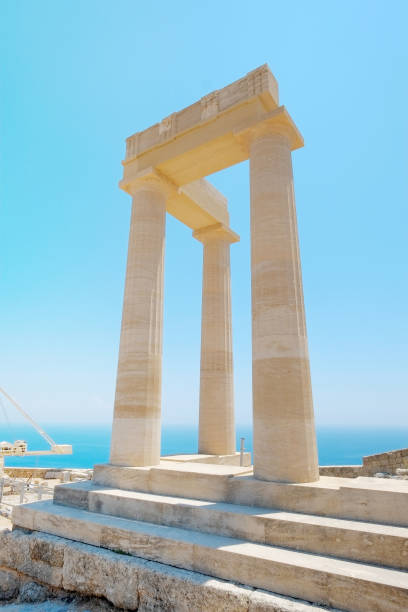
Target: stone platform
132, 583
338, 542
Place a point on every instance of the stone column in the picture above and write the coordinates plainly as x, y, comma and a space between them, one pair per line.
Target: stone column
137, 416
216, 425
284, 432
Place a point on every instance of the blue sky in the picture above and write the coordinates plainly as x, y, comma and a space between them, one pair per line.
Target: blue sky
77, 78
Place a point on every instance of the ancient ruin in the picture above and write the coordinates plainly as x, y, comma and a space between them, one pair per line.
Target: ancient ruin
241, 121
209, 531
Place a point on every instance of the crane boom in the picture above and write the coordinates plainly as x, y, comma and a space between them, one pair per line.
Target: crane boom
27, 416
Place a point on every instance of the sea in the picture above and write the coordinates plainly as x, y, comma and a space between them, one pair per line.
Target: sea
91, 442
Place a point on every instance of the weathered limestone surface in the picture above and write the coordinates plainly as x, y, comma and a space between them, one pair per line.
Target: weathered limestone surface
284, 431
217, 423
9, 584
137, 416
200, 480
41, 558
132, 583
339, 537
367, 499
355, 587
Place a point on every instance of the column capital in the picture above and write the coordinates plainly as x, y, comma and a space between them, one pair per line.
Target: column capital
277, 122
150, 179
215, 232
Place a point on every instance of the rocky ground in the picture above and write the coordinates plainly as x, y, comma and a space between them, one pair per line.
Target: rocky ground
74, 604
400, 475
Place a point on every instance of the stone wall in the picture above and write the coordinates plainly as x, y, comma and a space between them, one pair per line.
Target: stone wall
341, 471
47, 473
26, 472
385, 462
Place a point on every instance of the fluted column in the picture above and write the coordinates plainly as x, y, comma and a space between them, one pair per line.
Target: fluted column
284, 432
216, 424
137, 415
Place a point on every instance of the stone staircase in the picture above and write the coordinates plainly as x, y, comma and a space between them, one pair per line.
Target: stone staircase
343, 563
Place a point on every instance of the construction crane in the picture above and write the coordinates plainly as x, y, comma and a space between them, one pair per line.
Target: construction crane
19, 447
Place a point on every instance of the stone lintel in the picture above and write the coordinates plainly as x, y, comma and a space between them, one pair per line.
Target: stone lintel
259, 83
199, 140
211, 147
197, 205
218, 231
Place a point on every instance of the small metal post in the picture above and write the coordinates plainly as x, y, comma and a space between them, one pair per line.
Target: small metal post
241, 452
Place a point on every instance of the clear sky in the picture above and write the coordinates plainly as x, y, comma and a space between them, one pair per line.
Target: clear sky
77, 77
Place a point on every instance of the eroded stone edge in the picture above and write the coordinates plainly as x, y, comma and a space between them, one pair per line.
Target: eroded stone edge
130, 582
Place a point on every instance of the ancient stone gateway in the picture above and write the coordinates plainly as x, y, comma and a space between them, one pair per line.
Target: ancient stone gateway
164, 170
201, 532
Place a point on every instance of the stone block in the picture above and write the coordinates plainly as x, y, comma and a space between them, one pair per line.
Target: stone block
178, 483
78, 494
134, 583
336, 537
20, 550
67, 525
193, 591
128, 478
101, 573
298, 574
46, 550
9, 584
149, 544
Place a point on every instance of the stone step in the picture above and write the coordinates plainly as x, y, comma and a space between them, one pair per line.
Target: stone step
350, 586
367, 542
194, 480
362, 499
